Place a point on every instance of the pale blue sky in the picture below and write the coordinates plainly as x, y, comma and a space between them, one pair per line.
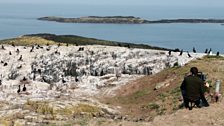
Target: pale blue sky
206, 3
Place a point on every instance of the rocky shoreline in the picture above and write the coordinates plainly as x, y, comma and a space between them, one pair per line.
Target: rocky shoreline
125, 20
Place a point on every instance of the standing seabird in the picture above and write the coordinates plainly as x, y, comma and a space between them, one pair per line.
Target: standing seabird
210, 51
217, 54
3, 47
18, 91
20, 58
24, 88
206, 51
181, 52
189, 55
169, 52
194, 50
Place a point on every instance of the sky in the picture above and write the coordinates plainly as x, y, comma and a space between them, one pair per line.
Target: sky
206, 3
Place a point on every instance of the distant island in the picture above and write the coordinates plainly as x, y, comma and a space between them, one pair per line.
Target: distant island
97, 19
125, 20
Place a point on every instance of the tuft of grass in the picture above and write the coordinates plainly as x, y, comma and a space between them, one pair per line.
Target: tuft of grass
42, 107
85, 108
78, 109
152, 106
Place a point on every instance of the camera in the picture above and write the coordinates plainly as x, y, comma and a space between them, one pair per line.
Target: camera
202, 76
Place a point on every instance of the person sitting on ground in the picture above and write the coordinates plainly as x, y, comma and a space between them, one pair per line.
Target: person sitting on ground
192, 89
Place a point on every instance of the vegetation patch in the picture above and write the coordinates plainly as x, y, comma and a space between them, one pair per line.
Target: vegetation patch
41, 107
27, 41
140, 93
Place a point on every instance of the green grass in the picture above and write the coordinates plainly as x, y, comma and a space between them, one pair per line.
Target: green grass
141, 93
43, 39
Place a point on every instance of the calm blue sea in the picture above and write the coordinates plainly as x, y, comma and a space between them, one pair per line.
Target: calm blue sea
20, 19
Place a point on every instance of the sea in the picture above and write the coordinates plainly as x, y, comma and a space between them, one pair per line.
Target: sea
20, 19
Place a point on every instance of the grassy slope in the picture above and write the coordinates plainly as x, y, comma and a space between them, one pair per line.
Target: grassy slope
43, 39
24, 41
140, 99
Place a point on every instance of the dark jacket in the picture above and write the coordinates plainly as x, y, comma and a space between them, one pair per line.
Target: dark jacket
192, 86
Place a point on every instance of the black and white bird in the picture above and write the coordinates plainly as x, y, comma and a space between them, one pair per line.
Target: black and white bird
63, 80
210, 51
17, 51
10, 53
76, 79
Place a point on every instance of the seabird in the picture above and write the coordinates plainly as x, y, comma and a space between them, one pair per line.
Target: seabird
181, 52
5, 64
17, 51
194, 50
169, 52
210, 51
76, 79
3, 47
63, 80
13, 44
18, 91
32, 48
206, 51
189, 55
10, 53
217, 54
19, 67
24, 79
24, 88
20, 58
